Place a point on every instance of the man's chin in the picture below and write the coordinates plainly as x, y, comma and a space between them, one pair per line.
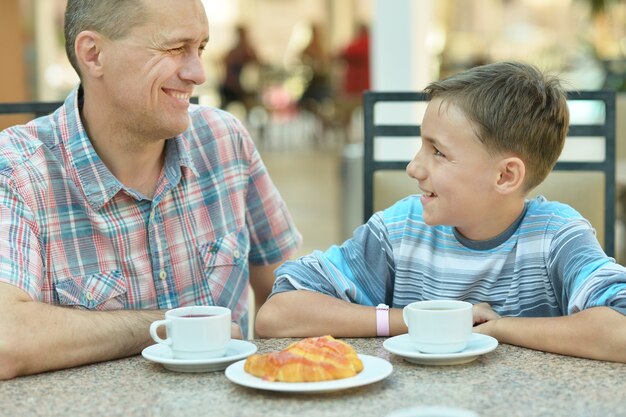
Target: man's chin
177, 128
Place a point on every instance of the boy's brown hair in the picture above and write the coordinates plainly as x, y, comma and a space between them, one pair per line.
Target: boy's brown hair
515, 108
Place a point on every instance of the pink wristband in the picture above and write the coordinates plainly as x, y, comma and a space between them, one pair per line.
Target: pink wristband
382, 320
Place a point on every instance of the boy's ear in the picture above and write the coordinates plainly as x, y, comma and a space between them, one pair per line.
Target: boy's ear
512, 172
88, 48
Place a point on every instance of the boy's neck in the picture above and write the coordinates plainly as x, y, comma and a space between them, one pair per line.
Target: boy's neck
497, 240
496, 222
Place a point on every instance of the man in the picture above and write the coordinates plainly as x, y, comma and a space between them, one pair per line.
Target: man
127, 201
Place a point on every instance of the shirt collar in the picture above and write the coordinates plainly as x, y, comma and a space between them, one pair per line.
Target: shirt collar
98, 184
495, 241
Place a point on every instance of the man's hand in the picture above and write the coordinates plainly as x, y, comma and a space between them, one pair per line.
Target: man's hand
235, 331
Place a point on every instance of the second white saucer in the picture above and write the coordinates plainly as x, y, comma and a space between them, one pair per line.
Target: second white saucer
479, 344
236, 350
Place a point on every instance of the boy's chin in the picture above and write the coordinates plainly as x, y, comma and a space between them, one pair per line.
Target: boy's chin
435, 221
431, 222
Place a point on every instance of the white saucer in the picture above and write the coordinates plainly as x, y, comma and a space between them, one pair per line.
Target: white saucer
479, 344
374, 370
236, 350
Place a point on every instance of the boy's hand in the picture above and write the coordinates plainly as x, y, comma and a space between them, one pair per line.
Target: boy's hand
484, 313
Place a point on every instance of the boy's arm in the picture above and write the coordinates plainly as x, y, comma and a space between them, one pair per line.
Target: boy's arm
594, 333
333, 292
305, 313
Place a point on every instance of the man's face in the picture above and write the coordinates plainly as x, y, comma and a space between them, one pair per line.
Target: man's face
150, 74
455, 172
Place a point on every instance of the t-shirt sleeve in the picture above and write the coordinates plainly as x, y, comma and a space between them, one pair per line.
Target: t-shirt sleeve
580, 268
361, 270
273, 234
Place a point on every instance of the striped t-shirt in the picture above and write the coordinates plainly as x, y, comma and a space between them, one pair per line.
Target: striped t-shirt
72, 234
548, 263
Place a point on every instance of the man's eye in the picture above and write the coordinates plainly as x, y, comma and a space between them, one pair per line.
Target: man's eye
176, 50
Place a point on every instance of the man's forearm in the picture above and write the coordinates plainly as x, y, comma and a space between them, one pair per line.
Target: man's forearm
261, 281
37, 337
596, 333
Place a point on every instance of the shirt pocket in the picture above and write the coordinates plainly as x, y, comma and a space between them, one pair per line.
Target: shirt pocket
101, 291
225, 268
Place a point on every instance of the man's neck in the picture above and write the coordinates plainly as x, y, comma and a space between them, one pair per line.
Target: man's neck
136, 162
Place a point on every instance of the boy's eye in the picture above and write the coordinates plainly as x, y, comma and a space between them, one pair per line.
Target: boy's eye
437, 153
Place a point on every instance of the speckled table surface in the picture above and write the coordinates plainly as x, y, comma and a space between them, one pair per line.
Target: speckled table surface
509, 381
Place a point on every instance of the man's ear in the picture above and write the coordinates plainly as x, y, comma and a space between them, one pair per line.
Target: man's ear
88, 47
512, 173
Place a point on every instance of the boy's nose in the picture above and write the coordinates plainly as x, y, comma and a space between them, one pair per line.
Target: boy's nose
415, 169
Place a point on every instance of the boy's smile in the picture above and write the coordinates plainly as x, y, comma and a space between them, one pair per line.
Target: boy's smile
456, 174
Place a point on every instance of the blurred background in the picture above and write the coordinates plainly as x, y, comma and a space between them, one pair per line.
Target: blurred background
294, 72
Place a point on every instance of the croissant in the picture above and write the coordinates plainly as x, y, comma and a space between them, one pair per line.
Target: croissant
309, 360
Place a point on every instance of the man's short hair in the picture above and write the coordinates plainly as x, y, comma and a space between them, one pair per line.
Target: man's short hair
515, 108
113, 19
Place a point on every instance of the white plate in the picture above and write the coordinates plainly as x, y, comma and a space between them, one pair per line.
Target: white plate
374, 370
479, 344
236, 350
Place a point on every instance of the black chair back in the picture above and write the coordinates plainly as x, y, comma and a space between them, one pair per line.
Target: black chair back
37, 108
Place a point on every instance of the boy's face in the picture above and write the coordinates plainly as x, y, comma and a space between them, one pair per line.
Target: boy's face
455, 173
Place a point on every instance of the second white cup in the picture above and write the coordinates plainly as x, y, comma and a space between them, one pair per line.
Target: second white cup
195, 332
439, 326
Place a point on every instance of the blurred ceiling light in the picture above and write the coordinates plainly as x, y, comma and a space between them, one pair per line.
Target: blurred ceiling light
436, 40
552, 4
60, 76
221, 11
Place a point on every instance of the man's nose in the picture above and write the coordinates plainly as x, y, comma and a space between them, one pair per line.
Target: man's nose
194, 70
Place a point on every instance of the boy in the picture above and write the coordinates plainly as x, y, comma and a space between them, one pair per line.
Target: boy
533, 269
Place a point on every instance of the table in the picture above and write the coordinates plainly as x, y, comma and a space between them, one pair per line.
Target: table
509, 381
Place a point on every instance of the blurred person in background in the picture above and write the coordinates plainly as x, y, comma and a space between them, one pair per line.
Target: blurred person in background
316, 59
241, 57
356, 76
356, 56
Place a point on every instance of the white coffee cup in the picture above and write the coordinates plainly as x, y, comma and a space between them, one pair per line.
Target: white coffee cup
439, 326
195, 332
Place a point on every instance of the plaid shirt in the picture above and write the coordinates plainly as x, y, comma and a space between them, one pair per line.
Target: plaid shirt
72, 234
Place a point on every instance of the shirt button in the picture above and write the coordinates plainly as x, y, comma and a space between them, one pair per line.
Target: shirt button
89, 296
163, 275
236, 253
